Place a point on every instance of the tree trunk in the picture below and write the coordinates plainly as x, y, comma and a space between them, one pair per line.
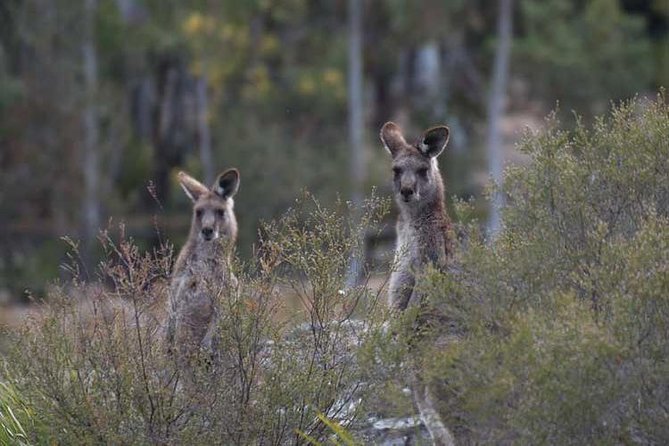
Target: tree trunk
496, 109
173, 133
355, 98
91, 161
355, 118
383, 101
203, 133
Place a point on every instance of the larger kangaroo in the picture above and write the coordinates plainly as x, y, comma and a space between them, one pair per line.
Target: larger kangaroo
423, 227
202, 270
423, 236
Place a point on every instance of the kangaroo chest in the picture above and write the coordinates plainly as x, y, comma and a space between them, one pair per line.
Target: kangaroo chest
199, 278
420, 244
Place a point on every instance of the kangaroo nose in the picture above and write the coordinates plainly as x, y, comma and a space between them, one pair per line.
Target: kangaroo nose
406, 192
207, 232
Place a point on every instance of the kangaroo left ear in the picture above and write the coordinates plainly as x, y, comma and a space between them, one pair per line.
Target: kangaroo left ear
192, 187
227, 184
433, 141
392, 138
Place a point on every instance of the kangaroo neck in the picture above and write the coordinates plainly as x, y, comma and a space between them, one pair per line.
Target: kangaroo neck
200, 255
423, 214
425, 235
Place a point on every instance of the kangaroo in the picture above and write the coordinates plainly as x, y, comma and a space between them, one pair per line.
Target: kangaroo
202, 269
423, 237
423, 227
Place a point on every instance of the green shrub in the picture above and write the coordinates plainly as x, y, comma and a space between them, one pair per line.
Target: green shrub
16, 419
562, 322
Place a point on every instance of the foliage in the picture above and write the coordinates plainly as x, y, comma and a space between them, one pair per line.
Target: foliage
94, 369
562, 323
556, 332
275, 78
584, 53
16, 419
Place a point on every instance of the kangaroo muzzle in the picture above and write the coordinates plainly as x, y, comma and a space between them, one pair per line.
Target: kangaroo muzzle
207, 233
408, 189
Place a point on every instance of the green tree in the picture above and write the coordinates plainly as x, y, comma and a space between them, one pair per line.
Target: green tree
582, 54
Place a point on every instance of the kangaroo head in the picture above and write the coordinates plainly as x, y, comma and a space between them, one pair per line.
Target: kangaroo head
213, 208
416, 176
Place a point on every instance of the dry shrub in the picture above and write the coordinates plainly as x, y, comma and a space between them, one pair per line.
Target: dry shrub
94, 366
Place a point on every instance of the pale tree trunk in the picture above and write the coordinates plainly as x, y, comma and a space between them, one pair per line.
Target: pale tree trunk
91, 161
203, 132
496, 109
429, 415
355, 120
355, 98
125, 9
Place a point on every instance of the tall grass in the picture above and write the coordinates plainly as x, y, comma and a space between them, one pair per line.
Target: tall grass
16, 419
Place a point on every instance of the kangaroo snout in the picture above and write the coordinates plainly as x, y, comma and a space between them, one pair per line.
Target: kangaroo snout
407, 193
207, 233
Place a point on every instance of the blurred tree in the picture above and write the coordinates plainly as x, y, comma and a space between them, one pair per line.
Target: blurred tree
422, 60
90, 143
357, 158
261, 85
496, 103
43, 151
656, 15
583, 54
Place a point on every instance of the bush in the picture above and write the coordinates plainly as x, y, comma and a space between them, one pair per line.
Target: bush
556, 332
563, 320
94, 368
15, 417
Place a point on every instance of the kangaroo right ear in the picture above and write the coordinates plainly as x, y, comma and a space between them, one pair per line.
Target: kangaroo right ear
227, 183
392, 138
433, 141
193, 188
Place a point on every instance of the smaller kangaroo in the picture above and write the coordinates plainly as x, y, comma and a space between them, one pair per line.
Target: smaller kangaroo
202, 269
423, 238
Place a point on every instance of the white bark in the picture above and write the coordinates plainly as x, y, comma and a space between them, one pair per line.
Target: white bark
91, 159
430, 417
204, 133
355, 98
126, 8
355, 119
496, 108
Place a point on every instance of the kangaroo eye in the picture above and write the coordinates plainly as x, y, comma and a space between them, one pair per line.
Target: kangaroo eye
220, 213
198, 213
397, 171
422, 172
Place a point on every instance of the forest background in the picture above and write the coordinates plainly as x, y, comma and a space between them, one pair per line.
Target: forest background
102, 101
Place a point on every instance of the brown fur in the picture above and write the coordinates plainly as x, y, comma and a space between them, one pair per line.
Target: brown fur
202, 270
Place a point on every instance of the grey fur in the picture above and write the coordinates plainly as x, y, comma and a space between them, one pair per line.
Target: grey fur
423, 238
202, 274
423, 227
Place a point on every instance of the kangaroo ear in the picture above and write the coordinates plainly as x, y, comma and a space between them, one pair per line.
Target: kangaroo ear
433, 141
392, 138
227, 184
193, 188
